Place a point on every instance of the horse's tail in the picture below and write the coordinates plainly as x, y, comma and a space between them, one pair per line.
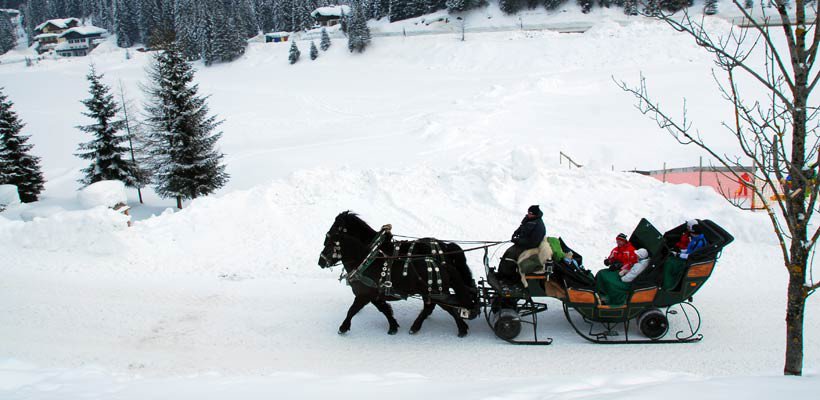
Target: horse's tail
463, 283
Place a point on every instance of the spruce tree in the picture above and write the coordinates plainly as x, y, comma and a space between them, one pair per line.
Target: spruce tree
294, 53
509, 6
314, 52
8, 39
552, 4
358, 36
107, 151
184, 155
125, 23
631, 7
325, 43
710, 7
586, 5
17, 166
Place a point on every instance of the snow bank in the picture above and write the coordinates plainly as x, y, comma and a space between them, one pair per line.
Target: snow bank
102, 193
8, 196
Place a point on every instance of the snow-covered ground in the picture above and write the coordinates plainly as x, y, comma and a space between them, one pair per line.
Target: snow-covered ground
436, 136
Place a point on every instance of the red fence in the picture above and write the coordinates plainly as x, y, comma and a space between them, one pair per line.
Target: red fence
721, 179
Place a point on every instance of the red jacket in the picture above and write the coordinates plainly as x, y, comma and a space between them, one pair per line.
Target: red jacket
683, 243
624, 254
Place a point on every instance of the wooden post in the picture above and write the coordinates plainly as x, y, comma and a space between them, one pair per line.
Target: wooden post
664, 172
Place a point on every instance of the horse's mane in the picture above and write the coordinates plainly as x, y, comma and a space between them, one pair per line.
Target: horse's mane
354, 223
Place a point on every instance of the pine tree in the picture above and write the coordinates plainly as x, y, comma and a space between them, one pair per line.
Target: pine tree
710, 7
509, 6
184, 158
358, 36
552, 4
325, 43
586, 5
125, 23
108, 155
652, 7
17, 166
631, 7
314, 52
8, 38
294, 53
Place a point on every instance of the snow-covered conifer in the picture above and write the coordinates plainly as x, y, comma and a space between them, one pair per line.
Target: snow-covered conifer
552, 4
325, 43
107, 152
710, 7
17, 166
126, 23
314, 52
8, 38
586, 5
358, 36
183, 156
294, 53
509, 6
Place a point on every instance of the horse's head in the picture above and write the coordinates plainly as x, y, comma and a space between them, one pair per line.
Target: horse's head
332, 252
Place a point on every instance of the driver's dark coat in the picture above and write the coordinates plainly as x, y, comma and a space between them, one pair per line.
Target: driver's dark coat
530, 233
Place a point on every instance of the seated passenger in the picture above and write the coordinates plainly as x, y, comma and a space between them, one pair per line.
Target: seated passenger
683, 242
622, 256
613, 287
696, 241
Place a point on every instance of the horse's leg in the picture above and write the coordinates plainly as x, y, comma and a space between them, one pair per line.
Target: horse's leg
462, 326
358, 304
385, 308
425, 312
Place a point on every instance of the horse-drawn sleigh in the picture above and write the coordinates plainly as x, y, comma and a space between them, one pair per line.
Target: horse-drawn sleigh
380, 269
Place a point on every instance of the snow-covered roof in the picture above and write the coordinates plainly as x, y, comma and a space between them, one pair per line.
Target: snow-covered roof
85, 31
61, 23
46, 36
330, 11
278, 34
10, 11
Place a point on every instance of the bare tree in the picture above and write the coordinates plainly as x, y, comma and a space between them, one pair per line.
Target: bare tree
777, 133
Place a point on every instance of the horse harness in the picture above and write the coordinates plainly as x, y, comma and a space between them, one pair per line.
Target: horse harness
434, 261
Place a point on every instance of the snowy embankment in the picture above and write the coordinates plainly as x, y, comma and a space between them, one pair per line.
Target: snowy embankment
437, 137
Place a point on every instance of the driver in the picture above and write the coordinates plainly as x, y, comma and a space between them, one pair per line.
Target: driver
528, 235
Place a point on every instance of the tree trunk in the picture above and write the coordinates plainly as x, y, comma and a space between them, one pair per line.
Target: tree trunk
179, 202
794, 322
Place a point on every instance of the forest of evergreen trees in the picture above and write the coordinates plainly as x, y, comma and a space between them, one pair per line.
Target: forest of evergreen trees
216, 30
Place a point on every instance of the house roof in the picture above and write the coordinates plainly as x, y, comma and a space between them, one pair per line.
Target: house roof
330, 11
277, 34
61, 23
46, 35
85, 31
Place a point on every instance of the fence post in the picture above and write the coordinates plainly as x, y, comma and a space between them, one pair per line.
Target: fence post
700, 172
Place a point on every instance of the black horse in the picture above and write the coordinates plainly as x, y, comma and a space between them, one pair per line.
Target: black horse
435, 270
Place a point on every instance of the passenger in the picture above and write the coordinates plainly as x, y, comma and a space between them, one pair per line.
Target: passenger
622, 256
569, 259
683, 242
613, 287
697, 241
529, 235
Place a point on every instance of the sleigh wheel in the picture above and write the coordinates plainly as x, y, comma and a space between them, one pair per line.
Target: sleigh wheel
653, 324
507, 324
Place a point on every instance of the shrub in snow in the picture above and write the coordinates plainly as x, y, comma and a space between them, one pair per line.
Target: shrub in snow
102, 193
314, 52
294, 53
